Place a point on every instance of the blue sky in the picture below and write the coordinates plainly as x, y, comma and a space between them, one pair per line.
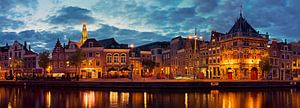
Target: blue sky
41, 22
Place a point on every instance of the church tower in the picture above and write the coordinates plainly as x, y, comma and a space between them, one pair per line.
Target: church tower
84, 34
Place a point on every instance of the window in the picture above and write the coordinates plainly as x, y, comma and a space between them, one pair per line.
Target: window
234, 43
286, 48
90, 44
123, 58
97, 63
19, 54
90, 54
287, 56
246, 43
116, 58
108, 58
97, 54
261, 45
274, 53
282, 56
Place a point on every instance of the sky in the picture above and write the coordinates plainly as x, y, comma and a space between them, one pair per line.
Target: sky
41, 22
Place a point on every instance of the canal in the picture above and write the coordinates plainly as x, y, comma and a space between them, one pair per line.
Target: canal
18, 97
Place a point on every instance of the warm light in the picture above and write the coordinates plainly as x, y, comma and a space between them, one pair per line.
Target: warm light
145, 100
48, 99
9, 58
190, 37
186, 100
113, 99
201, 37
268, 46
131, 45
89, 99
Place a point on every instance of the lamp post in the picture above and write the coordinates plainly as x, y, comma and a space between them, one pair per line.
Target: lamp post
195, 37
10, 71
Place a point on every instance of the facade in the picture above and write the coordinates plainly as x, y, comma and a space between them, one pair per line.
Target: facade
242, 48
58, 60
92, 64
295, 46
4, 61
281, 59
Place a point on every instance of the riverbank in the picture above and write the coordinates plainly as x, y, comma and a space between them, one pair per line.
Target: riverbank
154, 83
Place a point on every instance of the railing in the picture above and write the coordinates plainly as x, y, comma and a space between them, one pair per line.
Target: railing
264, 36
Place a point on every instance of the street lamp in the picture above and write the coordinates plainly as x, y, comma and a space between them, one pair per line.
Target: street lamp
10, 71
195, 37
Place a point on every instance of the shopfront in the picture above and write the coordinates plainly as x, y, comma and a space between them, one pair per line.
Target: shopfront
91, 72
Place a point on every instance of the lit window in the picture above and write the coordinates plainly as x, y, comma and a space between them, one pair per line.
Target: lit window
123, 58
116, 58
108, 58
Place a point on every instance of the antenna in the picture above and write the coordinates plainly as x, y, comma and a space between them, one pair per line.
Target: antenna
195, 30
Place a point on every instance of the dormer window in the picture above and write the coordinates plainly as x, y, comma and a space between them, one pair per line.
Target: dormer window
90, 44
72, 46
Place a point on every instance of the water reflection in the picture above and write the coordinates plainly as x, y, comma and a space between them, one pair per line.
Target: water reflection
74, 98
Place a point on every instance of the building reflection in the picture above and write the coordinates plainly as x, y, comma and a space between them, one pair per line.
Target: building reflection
78, 98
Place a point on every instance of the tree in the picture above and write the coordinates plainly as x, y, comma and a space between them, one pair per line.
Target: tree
76, 59
148, 64
16, 63
44, 60
265, 66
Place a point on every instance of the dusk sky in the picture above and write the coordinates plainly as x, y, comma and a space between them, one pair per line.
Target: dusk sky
41, 22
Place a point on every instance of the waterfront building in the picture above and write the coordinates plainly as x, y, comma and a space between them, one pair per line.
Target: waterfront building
116, 58
4, 61
166, 63
241, 50
280, 54
203, 50
92, 64
295, 46
58, 60
22, 61
213, 50
152, 58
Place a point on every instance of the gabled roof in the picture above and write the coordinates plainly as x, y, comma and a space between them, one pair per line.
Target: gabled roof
241, 25
111, 43
148, 47
4, 49
29, 52
90, 40
72, 43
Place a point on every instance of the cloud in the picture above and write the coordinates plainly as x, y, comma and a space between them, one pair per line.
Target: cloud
6, 23
71, 15
7, 6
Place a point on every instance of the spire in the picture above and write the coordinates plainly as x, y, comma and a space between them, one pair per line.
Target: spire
241, 8
84, 33
195, 31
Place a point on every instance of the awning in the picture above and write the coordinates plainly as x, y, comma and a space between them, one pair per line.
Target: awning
124, 69
112, 69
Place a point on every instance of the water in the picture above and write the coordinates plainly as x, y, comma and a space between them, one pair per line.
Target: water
12, 97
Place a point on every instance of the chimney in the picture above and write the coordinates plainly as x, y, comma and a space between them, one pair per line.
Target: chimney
285, 41
25, 45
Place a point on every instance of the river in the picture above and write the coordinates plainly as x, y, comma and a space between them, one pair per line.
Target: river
28, 97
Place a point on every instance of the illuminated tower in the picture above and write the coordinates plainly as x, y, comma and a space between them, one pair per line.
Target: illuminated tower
84, 34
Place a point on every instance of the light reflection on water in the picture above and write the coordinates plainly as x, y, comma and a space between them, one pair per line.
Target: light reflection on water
90, 98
